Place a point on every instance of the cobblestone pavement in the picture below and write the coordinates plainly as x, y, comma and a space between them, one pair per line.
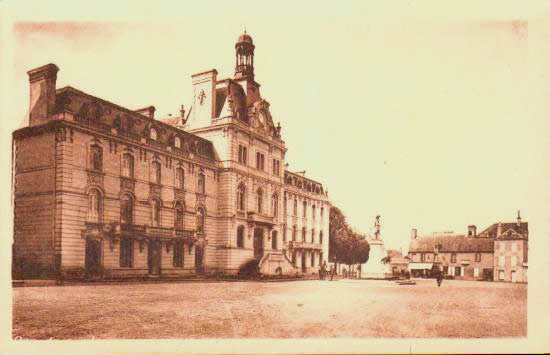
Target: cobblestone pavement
346, 308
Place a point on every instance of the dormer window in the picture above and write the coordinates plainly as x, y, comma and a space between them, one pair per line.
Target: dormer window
153, 134
177, 142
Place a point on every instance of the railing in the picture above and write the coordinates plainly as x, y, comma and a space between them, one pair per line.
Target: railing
305, 245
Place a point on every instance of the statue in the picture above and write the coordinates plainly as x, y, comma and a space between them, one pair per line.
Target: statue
377, 228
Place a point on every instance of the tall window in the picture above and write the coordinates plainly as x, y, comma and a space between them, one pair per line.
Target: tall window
94, 206
243, 154
241, 197
312, 259
321, 237
178, 253
313, 209
200, 220
260, 160
275, 203
274, 240
126, 209
453, 258
260, 200
295, 207
478, 257
284, 204
276, 167
201, 183
178, 222
322, 213
96, 157
156, 172
313, 235
155, 216
128, 166
284, 233
240, 236
294, 233
180, 178
177, 142
304, 209
126, 252
153, 134
303, 234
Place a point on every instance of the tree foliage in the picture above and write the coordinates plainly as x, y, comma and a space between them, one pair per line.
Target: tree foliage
345, 245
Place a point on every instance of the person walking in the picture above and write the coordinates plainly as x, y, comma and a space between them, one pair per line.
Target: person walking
332, 271
439, 277
324, 270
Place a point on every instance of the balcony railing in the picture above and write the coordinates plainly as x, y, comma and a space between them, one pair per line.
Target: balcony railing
305, 245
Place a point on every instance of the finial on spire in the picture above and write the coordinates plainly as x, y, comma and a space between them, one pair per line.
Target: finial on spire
244, 29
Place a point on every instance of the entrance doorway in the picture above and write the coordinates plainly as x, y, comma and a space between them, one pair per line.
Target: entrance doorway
258, 243
153, 256
199, 259
92, 260
303, 261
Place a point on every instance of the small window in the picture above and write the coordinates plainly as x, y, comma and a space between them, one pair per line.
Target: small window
126, 209
304, 234
241, 198
276, 167
180, 178
260, 200
478, 257
321, 237
422, 257
178, 253
294, 230
94, 206
178, 221
201, 183
243, 155
156, 213
240, 237
200, 220
153, 134
128, 166
312, 259
275, 207
322, 213
177, 142
96, 157
156, 172
453, 258
284, 205
304, 209
260, 160
126, 252
313, 210
295, 207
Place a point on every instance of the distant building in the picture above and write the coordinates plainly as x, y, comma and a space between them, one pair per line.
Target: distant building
398, 264
497, 253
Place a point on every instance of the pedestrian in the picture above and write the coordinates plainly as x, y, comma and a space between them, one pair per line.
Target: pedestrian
332, 271
439, 278
324, 269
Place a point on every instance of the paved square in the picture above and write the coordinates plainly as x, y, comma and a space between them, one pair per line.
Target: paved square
346, 308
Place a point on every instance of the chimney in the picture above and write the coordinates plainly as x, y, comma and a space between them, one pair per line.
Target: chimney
499, 229
42, 96
472, 231
148, 111
413, 233
519, 219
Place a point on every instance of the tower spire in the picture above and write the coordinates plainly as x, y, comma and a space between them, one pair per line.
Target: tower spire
244, 57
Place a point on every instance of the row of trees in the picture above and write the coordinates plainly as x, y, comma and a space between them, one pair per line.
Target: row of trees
345, 245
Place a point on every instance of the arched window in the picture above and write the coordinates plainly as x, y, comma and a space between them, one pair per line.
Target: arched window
274, 243
94, 206
200, 220
153, 134
313, 235
322, 212
201, 183
180, 178
96, 157
294, 233
304, 210
155, 215
177, 142
127, 165
303, 234
260, 200
295, 206
275, 204
178, 221
313, 209
156, 172
284, 205
240, 236
241, 197
126, 209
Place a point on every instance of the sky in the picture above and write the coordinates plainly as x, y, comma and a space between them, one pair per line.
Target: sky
422, 113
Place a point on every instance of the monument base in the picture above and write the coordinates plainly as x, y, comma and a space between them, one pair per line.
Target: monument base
374, 268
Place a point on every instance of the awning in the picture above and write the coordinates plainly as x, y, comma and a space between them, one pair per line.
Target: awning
420, 266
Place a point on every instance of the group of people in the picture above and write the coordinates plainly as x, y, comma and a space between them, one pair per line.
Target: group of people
323, 271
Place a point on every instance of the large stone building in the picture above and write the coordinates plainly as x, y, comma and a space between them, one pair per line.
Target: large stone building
497, 253
101, 190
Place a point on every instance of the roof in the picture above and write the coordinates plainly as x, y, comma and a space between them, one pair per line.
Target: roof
452, 243
513, 230
245, 38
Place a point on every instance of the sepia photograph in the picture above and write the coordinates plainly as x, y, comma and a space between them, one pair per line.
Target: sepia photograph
305, 177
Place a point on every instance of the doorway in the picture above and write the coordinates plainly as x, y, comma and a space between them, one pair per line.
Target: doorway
199, 259
92, 259
258, 243
303, 261
153, 256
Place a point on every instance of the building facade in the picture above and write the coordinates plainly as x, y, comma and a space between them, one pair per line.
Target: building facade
498, 253
104, 191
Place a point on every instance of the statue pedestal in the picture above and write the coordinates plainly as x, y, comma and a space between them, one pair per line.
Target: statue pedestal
374, 268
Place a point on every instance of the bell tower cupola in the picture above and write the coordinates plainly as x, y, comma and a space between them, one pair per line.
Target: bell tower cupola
244, 57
